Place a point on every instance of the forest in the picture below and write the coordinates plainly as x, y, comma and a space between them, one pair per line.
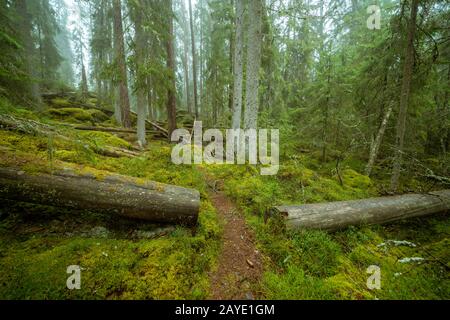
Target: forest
94, 95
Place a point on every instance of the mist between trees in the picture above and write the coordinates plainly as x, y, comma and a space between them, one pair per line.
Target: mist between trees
344, 78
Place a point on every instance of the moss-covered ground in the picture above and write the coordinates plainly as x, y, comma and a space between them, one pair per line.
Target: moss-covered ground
120, 258
124, 259
322, 265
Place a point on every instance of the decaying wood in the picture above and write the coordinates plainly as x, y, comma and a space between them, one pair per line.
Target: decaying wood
108, 112
158, 127
112, 194
104, 129
116, 152
339, 215
28, 126
112, 129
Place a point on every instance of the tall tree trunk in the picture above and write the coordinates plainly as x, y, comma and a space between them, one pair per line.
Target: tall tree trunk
117, 108
150, 108
376, 144
253, 64
194, 58
231, 57
124, 100
238, 65
201, 54
404, 97
326, 113
186, 79
25, 31
185, 57
84, 85
171, 99
98, 102
140, 78
230, 84
41, 55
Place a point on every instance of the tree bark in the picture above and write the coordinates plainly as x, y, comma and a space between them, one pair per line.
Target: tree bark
185, 57
377, 143
25, 31
123, 97
238, 66
338, 215
194, 59
171, 99
84, 85
404, 97
141, 97
231, 58
158, 129
112, 194
253, 65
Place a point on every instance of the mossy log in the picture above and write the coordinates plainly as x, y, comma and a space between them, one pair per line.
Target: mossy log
110, 194
113, 130
338, 215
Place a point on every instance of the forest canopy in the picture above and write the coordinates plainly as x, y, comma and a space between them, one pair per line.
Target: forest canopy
318, 70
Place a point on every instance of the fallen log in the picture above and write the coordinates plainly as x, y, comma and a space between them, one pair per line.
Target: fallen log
119, 130
116, 152
33, 127
115, 194
158, 127
338, 215
115, 130
50, 96
104, 129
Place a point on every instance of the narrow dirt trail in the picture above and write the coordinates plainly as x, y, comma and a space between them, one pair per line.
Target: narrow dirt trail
240, 266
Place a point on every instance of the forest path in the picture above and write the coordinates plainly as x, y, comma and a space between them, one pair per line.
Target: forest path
240, 266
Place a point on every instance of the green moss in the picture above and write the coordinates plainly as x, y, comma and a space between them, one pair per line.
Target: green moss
37, 244
172, 267
294, 284
318, 265
34, 264
61, 103
98, 115
355, 180
17, 141
294, 171
102, 139
69, 156
70, 114
317, 252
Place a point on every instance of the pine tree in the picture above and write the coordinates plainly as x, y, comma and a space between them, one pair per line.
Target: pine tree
122, 81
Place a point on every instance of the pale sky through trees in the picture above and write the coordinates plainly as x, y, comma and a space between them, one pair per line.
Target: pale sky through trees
74, 20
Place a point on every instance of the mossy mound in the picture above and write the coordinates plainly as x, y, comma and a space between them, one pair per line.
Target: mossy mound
104, 139
77, 115
70, 114
61, 103
67, 155
356, 180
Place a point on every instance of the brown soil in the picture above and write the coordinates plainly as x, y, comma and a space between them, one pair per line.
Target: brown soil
240, 264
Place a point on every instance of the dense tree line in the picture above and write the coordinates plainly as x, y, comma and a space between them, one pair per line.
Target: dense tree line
314, 69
